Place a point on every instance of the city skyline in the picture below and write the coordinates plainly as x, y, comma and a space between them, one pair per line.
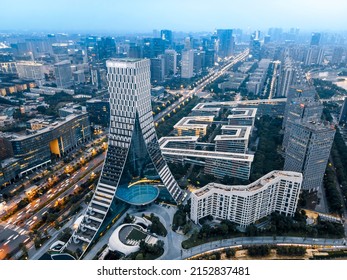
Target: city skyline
122, 17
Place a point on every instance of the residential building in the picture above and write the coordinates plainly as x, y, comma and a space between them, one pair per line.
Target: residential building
277, 191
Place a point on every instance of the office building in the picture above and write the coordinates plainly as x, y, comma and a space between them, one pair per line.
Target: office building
315, 39
170, 63
31, 70
308, 151
190, 126
242, 116
58, 138
99, 112
278, 191
234, 139
158, 69
343, 113
225, 42
134, 159
187, 64
166, 36
337, 55
301, 108
63, 74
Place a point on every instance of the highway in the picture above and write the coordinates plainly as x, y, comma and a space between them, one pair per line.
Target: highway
264, 240
212, 76
15, 229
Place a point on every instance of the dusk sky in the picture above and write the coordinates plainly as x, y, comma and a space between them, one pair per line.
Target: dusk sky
178, 15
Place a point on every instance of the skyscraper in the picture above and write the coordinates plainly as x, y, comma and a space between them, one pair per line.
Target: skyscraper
343, 112
315, 39
170, 62
308, 151
63, 74
157, 69
226, 42
133, 155
166, 36
187, 64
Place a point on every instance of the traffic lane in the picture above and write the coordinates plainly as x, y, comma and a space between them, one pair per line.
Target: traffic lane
24, 217
10, 238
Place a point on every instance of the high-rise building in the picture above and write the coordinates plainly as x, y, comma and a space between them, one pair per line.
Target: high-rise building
31, 70
226, 42
308, 151
199, 61
158, 69
343, 112
166, 36
337, 55
63, 74
187, 64
134, 160
277, 191
315, 39
170, 62
301, 108
99, 112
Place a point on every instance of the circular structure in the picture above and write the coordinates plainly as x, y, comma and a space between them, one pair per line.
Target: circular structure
138, 194
126, 238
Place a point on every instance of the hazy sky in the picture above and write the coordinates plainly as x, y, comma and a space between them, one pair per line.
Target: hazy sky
178, 15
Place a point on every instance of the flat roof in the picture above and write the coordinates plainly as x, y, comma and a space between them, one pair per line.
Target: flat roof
208, 154
257, 185
188, 122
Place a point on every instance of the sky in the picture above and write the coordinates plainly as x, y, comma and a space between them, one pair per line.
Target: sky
177, 15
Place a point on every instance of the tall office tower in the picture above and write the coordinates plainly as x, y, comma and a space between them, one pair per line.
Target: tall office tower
209, 58
277, 191
315, 39
147, 48
337, 55
157, 69
199, 61
297, 92
60, 51
31, 70
166, 36
226, 42
134, 51
134, 160
187, 43
187, 64
308, 151
158, 46
286, 77
255, 48
314, 55
63, 74
301, 108
170, 62
343, 113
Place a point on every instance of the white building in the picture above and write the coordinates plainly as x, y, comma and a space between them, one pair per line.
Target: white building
187, 64
31, 70
63, 74
278, 191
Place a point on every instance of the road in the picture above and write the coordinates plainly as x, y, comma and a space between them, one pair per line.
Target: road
212, 76
266, 240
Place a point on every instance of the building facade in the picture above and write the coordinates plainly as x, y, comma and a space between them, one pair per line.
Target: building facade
278, 191
308, 151
133, 153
